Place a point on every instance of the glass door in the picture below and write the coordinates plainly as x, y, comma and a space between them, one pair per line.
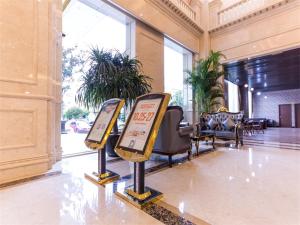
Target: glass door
177, 60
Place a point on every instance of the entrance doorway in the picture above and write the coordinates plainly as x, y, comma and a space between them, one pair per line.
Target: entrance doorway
285, 115
297, 115
87, 24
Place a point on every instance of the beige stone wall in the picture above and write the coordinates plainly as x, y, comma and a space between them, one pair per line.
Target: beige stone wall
29, 87
154, 15
273, 30
149, 49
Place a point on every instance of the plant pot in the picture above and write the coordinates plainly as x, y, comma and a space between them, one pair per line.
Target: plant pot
110, 145
63, 127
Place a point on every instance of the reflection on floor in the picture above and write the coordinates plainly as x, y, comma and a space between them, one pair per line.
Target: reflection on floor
73, 143
282, 135
250, 185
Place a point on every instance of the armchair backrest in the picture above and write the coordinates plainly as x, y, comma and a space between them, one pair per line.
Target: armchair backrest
173, 117
219, 117
169, 128
222, 116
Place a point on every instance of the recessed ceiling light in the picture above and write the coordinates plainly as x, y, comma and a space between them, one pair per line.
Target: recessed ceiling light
266, 97
246, 85
265, 84
258, 93
252, 89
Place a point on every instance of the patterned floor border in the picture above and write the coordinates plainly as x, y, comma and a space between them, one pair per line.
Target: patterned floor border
169, 215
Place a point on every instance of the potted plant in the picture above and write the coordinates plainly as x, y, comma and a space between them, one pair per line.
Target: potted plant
205, 81
111, 74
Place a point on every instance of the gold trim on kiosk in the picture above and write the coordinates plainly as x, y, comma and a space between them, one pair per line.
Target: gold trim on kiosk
97, 138
136, 144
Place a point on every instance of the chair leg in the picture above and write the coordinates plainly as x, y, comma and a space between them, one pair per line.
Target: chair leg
170, 161
242, 142
236, 143
189, 155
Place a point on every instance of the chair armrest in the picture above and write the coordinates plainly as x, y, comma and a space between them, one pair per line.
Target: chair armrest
199, 126
183, 131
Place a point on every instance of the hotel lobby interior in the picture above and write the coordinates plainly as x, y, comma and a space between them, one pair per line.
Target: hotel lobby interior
150, 112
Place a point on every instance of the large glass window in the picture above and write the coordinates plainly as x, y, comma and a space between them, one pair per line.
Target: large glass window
177, 60
86, 24
233, 97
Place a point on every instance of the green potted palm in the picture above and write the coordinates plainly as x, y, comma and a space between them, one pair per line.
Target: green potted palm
205, 82
111, 74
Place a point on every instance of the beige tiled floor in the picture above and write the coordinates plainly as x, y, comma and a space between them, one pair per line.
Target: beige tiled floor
68, 199
254, 185
229, 186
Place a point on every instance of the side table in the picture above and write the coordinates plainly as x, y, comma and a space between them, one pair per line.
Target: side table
203, 137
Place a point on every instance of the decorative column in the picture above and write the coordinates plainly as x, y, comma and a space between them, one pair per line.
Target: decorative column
29, 87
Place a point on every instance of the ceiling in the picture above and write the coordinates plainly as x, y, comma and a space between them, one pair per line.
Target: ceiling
274, 72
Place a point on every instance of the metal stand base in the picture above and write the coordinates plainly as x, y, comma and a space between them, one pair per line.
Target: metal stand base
139, 200
104, 178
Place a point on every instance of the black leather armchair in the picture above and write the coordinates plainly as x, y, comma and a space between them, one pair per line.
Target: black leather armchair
172, 138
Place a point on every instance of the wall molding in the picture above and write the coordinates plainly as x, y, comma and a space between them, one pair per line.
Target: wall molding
238, 22
31, 96
177, 15
19, 81
24, 162
17, 146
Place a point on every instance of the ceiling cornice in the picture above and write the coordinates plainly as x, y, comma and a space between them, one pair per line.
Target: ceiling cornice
172, 10
251, 16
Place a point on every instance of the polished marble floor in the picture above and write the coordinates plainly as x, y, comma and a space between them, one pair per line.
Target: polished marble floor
249, 185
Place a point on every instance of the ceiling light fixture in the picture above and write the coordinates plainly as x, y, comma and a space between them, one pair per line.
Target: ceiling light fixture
258, 93
251, 89
246, 85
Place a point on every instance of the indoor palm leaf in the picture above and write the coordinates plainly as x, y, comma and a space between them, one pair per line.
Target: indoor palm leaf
205, 82
111, 75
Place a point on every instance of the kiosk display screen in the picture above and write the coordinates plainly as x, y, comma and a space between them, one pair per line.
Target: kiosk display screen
138, 129
102, 122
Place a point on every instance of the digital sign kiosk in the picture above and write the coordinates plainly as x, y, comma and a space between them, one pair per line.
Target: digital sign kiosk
136, 143
98, 135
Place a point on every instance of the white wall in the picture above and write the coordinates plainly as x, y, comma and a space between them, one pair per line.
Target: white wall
233, 97
269, 107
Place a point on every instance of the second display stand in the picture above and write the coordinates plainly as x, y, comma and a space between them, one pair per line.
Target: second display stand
103, 175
